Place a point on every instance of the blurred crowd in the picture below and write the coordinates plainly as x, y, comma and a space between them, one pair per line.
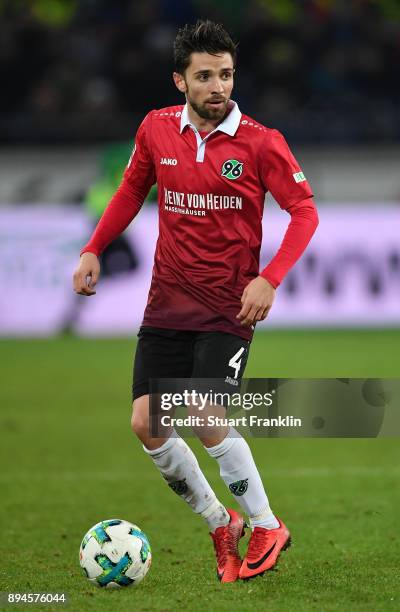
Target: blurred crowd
88, 70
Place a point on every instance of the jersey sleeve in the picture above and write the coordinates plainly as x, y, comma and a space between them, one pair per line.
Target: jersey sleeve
281, 173
303, 223
138, 177
140, 173
283, 177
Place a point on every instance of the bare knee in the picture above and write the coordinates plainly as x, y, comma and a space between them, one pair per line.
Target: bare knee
140, 423
140, 418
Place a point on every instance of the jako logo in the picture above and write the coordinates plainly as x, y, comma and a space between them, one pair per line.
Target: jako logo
168, 161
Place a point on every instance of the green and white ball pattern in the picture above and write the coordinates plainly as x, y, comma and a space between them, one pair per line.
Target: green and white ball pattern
115, 553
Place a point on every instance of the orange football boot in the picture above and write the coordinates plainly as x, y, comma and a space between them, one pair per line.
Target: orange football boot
263, 551
226, 542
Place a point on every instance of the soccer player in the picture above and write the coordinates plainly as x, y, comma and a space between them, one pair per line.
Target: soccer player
213, 166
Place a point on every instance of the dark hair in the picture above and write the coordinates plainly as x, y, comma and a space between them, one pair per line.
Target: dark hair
203, 37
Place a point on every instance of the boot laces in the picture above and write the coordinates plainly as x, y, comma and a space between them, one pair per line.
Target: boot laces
258, 542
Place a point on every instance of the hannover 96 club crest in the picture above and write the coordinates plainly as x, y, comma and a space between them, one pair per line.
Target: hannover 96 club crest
239, 487
232, 169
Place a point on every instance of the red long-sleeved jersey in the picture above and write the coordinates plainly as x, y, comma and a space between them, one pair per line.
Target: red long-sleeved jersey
211, 195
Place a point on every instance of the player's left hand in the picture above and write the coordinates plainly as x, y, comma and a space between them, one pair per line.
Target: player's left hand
257, 300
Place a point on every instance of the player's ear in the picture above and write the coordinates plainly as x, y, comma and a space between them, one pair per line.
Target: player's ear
180, 82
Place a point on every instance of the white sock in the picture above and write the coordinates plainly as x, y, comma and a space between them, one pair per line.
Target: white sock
240, 474
180, 468
216, 516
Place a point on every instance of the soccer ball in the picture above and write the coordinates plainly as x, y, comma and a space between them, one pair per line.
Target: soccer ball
115, 553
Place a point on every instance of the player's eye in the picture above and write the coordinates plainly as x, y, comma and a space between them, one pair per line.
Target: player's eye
226, 76
203, 77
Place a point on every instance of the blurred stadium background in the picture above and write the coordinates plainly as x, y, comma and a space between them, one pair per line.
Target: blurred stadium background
77, 78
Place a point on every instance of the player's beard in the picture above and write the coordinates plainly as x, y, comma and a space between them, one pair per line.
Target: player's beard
209, 113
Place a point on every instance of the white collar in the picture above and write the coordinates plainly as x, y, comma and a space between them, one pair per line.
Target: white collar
229, 125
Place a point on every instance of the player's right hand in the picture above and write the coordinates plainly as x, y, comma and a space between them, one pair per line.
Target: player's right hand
86, 274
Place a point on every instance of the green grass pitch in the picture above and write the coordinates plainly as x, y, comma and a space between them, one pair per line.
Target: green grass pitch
69, 460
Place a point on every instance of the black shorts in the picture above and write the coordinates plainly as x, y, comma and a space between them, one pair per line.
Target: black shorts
167, 353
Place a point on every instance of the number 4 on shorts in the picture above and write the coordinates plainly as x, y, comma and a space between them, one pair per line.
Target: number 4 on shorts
236, 361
